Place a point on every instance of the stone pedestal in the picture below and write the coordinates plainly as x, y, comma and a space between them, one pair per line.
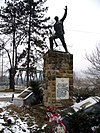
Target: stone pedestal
58, 67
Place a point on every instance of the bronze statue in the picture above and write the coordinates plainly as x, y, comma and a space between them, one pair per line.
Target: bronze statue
59, 31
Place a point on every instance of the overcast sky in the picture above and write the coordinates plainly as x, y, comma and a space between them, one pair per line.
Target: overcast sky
82, 26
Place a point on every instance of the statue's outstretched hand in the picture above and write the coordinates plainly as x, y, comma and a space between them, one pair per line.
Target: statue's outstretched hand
65, 7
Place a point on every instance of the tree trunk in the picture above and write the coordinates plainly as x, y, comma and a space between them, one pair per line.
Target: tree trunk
11, 79
28, 56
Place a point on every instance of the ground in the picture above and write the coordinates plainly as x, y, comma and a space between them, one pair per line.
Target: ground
36, 114
26, 119
32, 119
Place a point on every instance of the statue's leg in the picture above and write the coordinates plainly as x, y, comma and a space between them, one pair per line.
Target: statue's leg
63, 42
51, 42
55, 43
51, 39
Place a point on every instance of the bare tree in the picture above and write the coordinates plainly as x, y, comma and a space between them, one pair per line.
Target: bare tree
93, 72
82, 88
26, 23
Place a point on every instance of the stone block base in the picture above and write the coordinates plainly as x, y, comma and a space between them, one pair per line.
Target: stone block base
57, 65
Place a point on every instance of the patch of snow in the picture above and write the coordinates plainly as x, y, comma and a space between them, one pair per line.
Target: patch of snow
44, 126
8, 94
5, 94
9, 124
11, 119
4, 104
1, 127
2, 121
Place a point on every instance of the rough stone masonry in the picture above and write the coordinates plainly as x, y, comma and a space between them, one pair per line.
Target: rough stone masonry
57, 65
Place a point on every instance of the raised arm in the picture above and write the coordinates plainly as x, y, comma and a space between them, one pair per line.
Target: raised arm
65, 14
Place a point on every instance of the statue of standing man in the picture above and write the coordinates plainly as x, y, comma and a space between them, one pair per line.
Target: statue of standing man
59, 31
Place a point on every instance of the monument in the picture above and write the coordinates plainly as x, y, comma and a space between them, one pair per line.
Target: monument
59, 31
58, 70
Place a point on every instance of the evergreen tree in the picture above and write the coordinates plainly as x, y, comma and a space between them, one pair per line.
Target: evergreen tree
35, 31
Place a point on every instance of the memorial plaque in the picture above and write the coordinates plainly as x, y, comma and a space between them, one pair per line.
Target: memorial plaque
62, 88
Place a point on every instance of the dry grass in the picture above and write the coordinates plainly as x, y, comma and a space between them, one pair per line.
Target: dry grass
35, 113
